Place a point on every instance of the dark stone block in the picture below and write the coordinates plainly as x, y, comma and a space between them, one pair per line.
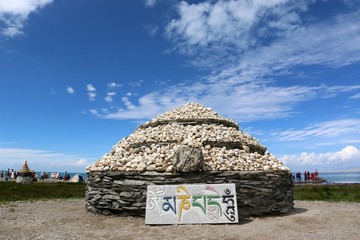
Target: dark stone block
258, 193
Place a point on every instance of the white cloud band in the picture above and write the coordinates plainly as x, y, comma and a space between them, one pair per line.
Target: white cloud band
14, 14
348, 157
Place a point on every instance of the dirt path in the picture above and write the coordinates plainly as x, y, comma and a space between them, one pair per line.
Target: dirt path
68, 219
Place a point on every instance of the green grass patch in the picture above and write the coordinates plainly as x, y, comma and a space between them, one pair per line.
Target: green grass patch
11, 191
330, 193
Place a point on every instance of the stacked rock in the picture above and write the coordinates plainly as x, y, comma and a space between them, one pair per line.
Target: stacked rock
191, 144
25, 176
189, 129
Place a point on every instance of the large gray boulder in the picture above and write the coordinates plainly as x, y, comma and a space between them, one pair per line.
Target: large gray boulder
188, 159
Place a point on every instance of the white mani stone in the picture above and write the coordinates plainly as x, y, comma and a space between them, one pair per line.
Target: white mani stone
191, 204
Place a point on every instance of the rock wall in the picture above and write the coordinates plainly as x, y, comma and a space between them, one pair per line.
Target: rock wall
124, 193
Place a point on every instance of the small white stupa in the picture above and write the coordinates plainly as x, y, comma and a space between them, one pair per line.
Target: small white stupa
25, 176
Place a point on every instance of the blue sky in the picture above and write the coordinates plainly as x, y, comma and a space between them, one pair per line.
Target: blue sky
78, 76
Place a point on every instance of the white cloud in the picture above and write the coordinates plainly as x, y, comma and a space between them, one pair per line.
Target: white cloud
81, 162
91, 92
254, 101
11, 31
91, 96
262, 37
223, 22
109, 96
305, 46
348, 157
148, 108
136, 84
14, 14
152, 30
246, 44
70, 90
94, 112
114, 85
355, 96
149, 3
331, 129
128, 103
41, 160
90, 88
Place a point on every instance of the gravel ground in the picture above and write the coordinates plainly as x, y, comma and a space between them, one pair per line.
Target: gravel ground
68, 219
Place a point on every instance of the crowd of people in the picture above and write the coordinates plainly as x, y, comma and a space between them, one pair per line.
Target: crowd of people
306, 176
9, 174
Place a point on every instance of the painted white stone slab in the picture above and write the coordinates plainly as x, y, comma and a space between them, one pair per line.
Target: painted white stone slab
191, 203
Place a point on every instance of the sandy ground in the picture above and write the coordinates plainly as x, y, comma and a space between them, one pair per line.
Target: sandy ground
68, 219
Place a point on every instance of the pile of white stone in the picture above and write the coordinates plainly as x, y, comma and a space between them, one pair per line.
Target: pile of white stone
153, 145
190, 111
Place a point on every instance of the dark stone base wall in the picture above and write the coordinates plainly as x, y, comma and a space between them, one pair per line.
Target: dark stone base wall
124, 193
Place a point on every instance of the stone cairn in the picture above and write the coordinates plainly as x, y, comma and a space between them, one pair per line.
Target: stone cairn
25, 176
188, 145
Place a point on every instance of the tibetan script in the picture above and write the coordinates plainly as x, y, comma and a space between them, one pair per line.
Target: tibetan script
191, 203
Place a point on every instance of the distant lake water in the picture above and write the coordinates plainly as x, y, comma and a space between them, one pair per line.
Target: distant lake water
336, 177
341, 177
